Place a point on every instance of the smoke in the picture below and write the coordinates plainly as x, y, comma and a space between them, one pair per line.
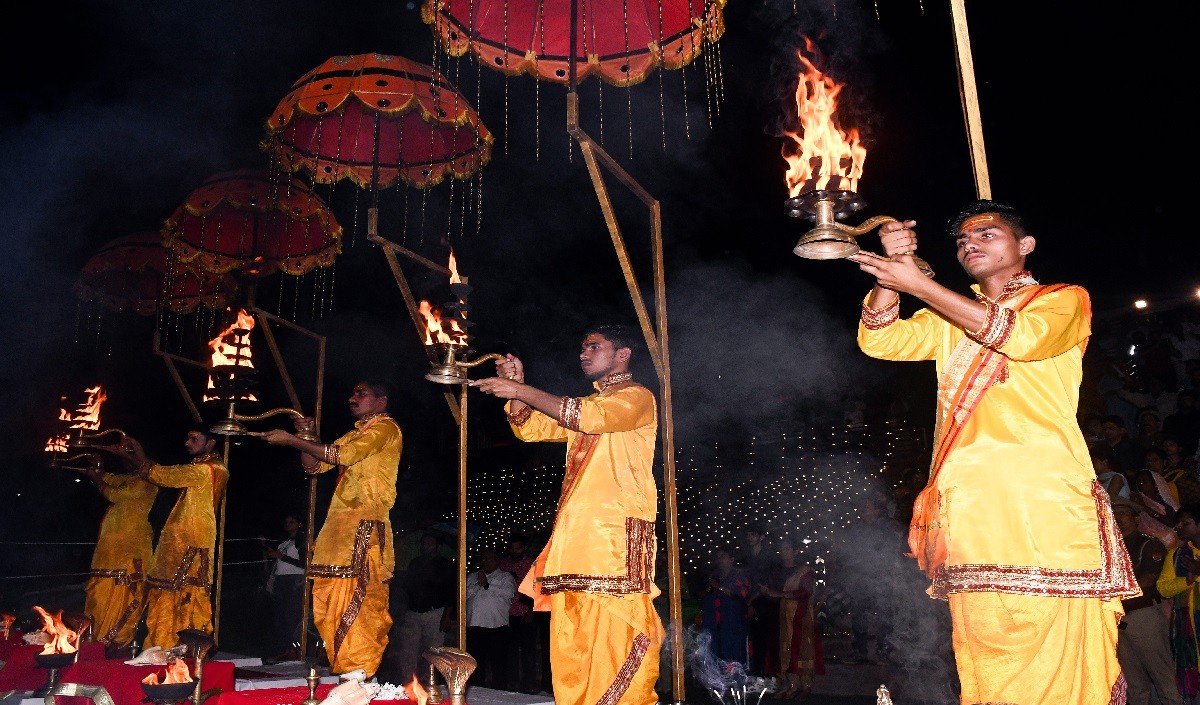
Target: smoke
748, 349
726, 681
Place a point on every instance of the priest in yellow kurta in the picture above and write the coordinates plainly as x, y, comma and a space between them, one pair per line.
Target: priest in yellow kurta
1012, 528
116, 588
353, 556
179, 586
596, 573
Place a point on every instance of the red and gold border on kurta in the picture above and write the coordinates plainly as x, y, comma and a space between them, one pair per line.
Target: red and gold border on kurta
1113, 579
639, 562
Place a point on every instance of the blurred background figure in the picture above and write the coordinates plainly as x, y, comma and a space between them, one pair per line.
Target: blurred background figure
723, 610
800, 655
490, 592
286, 588
762, 616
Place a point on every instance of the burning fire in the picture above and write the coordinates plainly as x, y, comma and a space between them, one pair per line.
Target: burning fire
438, 330
8, 620
820, 156
177, 672
62, 639
415, 691
85, 418
231, 348
454, 278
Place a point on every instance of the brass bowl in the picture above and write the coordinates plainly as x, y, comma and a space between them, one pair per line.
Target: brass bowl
55, 660
169, 692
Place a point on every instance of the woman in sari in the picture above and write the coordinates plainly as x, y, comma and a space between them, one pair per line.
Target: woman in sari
800, 654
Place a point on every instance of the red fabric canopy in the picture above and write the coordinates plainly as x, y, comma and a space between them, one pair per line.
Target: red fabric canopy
376, 119
255, 221
137, 273
622, 41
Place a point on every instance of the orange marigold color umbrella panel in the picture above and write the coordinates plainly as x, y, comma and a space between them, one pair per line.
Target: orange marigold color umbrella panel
136, 273
377, 119
620, 41
255, 221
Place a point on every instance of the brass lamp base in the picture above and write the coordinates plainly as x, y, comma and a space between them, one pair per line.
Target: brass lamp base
450, 370
831, 239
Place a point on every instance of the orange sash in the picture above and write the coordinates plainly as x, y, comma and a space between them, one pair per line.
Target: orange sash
970, 371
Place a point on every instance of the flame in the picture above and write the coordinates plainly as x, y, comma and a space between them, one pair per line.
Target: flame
62, 639
8, 622
438, 330
176, 672
415, 691
820, 156
454, 278
231, 347
85, 418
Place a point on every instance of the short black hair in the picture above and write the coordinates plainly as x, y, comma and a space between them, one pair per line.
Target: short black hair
517, 536
1013, 217
619, 334
379, 387
203, 430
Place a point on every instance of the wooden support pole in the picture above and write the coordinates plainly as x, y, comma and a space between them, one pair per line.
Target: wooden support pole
970, 99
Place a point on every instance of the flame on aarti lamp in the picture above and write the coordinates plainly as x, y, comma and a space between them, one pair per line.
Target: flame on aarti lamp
820, 156
439, 330
226, 346
454, 277
415, 691
8, 620
85, 418
176, 672
62, 640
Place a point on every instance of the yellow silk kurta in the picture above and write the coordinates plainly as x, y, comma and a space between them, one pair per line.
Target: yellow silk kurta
1033, 568
181, 578
116, 590
596, 573
353, 556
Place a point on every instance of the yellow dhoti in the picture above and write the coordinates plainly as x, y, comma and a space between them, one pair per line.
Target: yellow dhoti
1012, 648
590, 653
354, 628
170, 611
115, 601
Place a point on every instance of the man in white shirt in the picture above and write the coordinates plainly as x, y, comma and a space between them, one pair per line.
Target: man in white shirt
489, 594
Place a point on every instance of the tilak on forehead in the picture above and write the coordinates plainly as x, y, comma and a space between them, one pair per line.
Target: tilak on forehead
982, 220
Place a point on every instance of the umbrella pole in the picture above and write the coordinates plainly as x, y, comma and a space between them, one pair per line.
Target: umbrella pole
305, 608
220, 557
462, 519
656, 341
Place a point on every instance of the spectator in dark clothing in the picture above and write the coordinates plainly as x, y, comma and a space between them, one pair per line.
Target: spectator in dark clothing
1184, 424
1125, 452
762, 617
525, 670
431, 586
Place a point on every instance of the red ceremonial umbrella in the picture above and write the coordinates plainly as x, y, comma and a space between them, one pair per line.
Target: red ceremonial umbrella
137, 273
254, 221
376, 119
618, 40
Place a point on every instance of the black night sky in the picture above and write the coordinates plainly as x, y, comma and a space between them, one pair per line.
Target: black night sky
127, 107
